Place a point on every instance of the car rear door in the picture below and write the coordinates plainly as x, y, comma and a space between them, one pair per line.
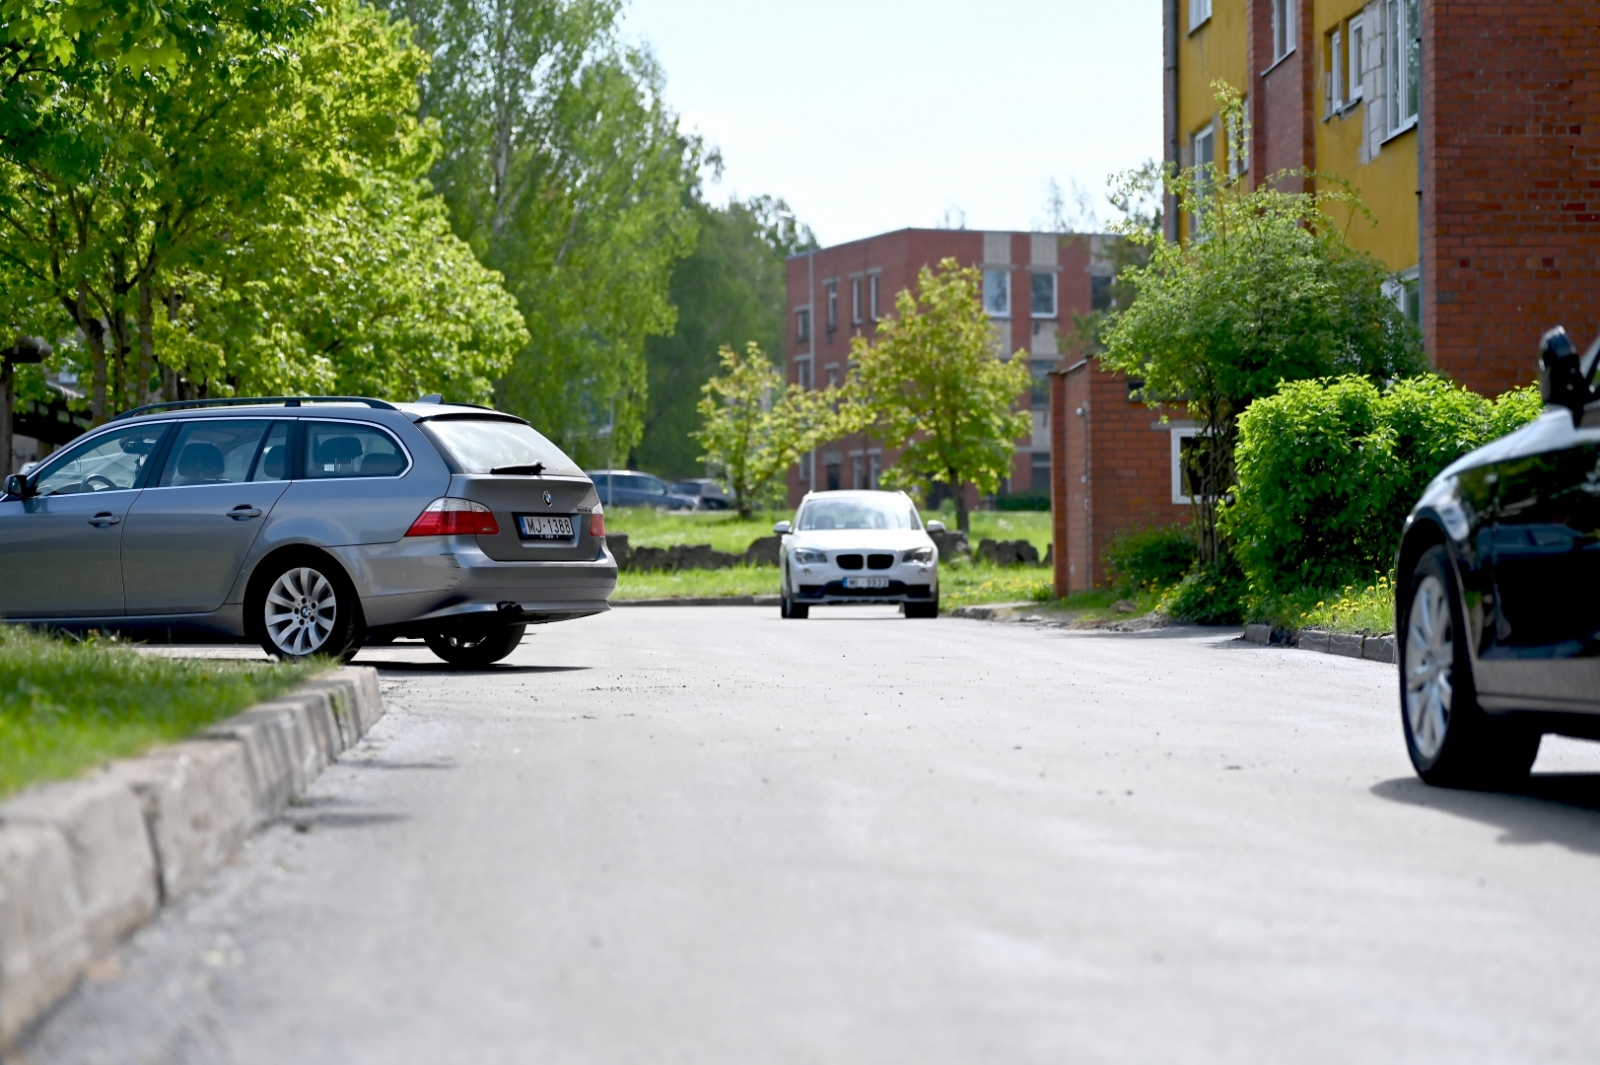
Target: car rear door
189, 532
61, 549
1544, 574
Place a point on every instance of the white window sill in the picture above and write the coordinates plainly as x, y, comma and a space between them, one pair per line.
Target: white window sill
1198, 26
1280, 61
1343, 111
1400, 131
1043, 317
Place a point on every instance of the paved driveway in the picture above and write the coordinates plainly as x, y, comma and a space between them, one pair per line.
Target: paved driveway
711, 836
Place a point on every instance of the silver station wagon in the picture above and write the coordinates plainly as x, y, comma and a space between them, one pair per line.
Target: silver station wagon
310, 525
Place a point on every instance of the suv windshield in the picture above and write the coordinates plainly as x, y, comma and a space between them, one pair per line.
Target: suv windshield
859, 512
480, 445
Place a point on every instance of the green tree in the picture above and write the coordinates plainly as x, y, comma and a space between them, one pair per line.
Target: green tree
754, 426
729, 291
933, 386
566, 172
1270, 291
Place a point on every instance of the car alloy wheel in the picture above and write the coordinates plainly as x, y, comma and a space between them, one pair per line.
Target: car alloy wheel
302, 609
1429, 657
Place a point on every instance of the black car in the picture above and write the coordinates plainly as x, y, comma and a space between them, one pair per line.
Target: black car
710, 494
1498, 573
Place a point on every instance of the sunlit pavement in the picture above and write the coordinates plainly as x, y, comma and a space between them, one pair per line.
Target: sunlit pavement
709, 835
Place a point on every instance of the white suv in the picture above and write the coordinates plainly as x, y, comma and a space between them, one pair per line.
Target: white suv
858, 547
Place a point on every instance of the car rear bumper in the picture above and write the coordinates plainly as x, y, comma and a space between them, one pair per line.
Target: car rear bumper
450, 579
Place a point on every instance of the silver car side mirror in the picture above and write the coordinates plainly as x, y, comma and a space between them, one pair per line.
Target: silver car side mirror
782, 528
17, 485
935, 526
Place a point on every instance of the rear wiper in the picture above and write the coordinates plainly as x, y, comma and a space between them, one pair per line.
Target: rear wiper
531, 470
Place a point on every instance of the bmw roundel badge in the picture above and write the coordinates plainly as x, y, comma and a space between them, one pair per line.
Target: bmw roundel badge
549, 500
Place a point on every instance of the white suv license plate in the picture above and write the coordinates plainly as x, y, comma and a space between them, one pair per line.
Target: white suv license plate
544, 527
866, 582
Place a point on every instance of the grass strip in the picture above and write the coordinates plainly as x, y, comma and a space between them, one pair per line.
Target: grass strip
959, 585
722, 529
67, 705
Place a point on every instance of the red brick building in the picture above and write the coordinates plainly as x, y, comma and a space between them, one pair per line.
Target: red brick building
1033, 284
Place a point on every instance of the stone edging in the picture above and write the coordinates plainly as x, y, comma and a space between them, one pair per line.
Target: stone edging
85, 862
1350, 645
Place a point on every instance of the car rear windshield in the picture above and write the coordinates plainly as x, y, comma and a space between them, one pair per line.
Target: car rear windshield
859, 512
481, 445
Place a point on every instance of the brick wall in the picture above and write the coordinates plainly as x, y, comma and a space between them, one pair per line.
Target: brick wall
1511, 159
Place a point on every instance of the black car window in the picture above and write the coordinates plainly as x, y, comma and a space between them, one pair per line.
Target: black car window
109, 462
212, 452
344, 449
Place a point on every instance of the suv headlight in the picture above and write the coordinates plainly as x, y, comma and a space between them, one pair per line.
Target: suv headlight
805, 556
918, 554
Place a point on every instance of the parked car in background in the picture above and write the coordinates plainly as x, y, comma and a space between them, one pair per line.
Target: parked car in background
630, 488
308, 525
1498, 591
708, 493
857, 547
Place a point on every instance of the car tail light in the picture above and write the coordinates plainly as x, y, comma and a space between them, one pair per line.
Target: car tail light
597, 521
448, 516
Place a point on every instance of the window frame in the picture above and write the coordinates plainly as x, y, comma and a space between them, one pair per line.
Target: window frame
855, 301
1401, 59
1005, 276
872, 296
1355, 37
833, 305
1179, 435
1338, 72
802, 325
302, 440
1283, 35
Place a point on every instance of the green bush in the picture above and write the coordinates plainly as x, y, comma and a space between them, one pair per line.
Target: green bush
1328, 469
1208, 596
1144, 559
1032, 499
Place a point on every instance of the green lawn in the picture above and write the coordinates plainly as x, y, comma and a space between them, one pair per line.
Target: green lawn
958, 585
67, 705
647, 527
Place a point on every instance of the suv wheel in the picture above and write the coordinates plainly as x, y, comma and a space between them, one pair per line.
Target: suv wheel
476, 646
923, 610
305, 607
1450, 739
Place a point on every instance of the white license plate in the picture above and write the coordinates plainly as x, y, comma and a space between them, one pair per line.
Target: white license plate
544, 527
866, 582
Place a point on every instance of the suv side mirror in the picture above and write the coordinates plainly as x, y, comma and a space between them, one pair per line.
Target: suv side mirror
17, 485
1561, 378
935, 526
782, 528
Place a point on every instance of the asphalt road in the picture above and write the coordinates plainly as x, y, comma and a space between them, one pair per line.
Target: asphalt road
711, 836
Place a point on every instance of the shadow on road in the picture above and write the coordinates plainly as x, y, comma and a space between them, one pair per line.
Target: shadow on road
445, 667
1559, 808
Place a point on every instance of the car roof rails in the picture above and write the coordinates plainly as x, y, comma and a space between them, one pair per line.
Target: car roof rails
252, 401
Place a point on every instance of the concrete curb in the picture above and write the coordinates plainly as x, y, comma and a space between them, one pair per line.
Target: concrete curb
727, 600
1350, 645
85, 862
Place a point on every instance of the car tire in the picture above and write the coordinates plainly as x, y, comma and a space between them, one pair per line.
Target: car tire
1451, 740
476, 645
788, 608
302, 606
923, 610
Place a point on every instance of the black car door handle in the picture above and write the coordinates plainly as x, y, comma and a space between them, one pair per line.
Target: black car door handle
103, 519
244, 512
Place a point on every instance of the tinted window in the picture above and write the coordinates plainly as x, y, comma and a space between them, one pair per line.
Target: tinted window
213, 452
113, 461
273, 462
686, 488
859, 512
480, 445
342, 449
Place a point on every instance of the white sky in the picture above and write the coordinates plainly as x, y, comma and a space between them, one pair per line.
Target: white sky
873, 115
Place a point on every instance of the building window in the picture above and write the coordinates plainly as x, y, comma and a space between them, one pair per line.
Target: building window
997, 293
1282, 28
1238, 130
1355, 40
1403, 63
1338, 72
1182, 452
858, 472
873, 461
1205, 157
872, 296
832, 470
1405, 288
833, 375
802, 325
855, 300
1199, 12
1040, 468
1044, 294
802, 373
1100, 293
1040, 368
804, 476
833, 306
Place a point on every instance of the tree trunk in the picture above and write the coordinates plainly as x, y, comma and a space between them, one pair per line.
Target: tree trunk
963, 516
147, 344
95, 337
7, 459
